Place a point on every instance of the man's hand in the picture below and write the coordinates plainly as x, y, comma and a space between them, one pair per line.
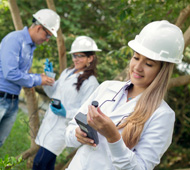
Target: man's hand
47, 80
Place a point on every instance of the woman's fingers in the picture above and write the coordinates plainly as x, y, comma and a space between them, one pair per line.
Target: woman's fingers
82, 137
103, 124
95, 117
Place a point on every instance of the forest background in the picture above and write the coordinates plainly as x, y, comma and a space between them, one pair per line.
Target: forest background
111, 23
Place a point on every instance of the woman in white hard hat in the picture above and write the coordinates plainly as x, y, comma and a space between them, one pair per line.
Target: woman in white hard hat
73, 88
133, 122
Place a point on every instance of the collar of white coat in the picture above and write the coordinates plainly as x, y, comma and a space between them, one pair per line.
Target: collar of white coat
80, 72
71, 73
119, 88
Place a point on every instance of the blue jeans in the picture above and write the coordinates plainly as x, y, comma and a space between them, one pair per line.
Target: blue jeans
8, 113
44, 160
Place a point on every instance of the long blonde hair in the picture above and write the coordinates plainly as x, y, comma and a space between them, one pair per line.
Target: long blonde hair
153, 95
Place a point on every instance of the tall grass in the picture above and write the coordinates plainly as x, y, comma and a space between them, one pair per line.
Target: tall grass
18, 140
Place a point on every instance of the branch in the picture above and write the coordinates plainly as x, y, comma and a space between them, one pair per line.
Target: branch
187, 37
28, 153
183, 16
179, 81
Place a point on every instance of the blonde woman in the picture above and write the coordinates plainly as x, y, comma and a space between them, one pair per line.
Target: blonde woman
134, 123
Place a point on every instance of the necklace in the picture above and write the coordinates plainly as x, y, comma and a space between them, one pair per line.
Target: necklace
129, 98
129, 90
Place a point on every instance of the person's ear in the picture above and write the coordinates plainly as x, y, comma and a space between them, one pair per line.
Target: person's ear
38, 27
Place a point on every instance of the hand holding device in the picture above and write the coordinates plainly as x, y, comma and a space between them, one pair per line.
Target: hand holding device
81, 120
57, 107
46, 80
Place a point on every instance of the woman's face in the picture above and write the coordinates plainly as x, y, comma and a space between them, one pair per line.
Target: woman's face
80, 61
143, 70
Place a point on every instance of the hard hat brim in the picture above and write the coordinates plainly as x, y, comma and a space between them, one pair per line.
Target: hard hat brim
77, 51
137, 47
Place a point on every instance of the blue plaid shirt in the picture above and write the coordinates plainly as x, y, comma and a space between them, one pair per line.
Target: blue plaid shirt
16, 55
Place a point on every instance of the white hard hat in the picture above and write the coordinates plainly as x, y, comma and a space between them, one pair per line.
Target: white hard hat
160, 40
83, 44
49, 19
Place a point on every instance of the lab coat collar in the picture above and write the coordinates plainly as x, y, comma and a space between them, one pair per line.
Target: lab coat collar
119, 89
126, 109
71, 74
117, 85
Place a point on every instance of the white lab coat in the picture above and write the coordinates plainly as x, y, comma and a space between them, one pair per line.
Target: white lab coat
154, 141
51, 134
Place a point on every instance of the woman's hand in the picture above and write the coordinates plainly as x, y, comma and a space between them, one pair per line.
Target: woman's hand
81, 137
102, 124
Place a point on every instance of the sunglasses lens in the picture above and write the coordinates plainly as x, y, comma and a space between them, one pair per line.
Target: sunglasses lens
47, 34
78, 56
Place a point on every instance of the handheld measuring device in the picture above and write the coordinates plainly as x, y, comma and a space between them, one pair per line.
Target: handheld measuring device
81, 120
56, 103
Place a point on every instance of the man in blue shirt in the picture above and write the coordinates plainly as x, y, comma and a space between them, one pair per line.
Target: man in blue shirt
16, 55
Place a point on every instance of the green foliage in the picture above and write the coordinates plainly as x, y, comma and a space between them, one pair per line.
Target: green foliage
9, 162
112, 24
108, 65
178, 98
4, 5
176, 157
5, 16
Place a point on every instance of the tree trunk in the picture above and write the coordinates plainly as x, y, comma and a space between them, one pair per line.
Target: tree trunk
15, 15
32, 104
60, 42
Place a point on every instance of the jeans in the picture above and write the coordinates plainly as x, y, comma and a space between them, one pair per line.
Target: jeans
8, 113
44, 160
